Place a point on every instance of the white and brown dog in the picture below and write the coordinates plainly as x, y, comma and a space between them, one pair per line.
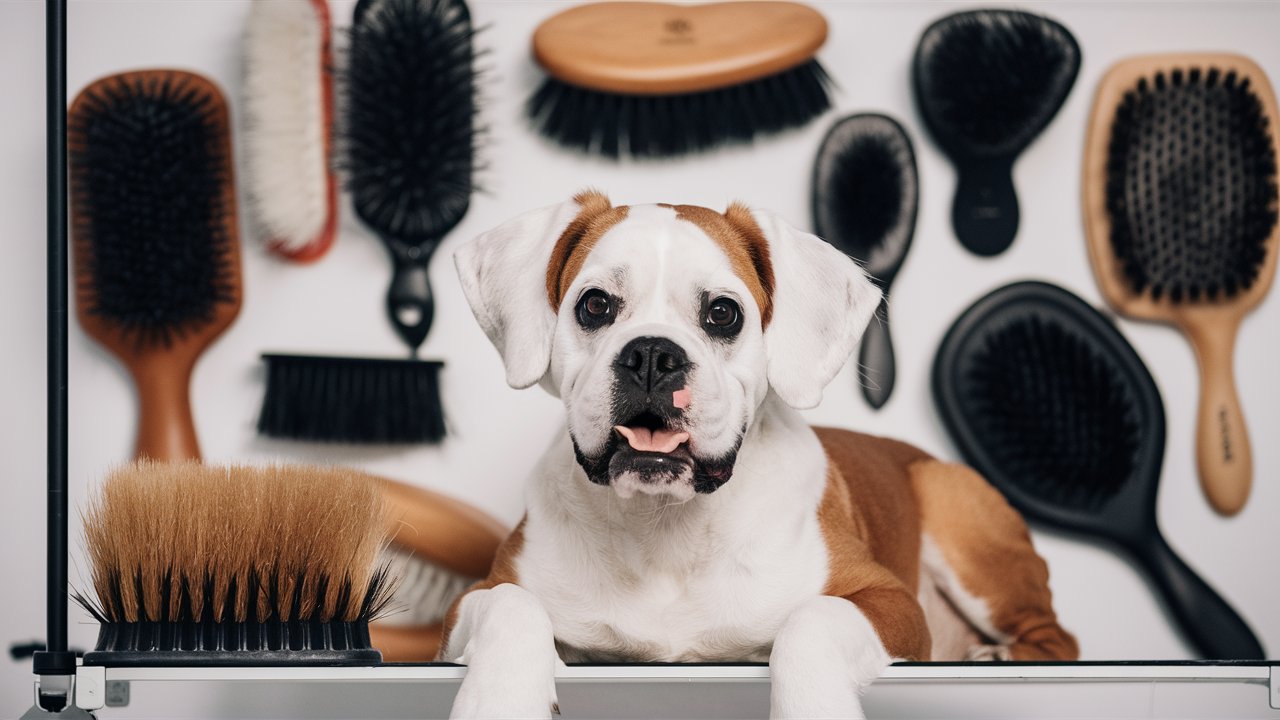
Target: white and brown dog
688, 512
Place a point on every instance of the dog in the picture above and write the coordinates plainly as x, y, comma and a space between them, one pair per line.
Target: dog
688, 513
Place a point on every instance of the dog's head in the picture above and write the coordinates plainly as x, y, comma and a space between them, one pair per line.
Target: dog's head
663, 328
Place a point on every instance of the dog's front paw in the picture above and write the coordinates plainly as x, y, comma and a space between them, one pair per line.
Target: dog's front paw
510, 656
824, 655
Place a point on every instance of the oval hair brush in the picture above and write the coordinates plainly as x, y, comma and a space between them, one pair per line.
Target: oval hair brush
407, 141
156, 248
438, 548
1045, 398
987, 82
195, 564
865, 194
1180, 203
651, 79
288, 104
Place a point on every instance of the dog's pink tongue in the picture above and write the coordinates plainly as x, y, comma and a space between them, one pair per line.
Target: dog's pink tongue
663, 441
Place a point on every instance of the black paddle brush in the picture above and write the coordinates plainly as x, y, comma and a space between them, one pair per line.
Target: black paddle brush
865, 193
408, 143
1044, 397
987, 82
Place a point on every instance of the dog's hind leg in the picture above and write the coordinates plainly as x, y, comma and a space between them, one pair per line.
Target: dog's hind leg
977, 552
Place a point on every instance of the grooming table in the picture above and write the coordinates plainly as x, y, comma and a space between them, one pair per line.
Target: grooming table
907, 690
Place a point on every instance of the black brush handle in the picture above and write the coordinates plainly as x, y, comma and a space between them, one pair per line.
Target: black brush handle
410, 304
876, 358
1213, 626
985, 212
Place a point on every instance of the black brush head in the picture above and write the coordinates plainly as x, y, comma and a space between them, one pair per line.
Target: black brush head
153, 220
655, 126
866, 191
1191, 184
410, 106
352, 400
1047, 400
988, 81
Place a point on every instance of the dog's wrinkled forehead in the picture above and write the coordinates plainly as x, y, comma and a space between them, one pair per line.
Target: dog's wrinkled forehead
735, 231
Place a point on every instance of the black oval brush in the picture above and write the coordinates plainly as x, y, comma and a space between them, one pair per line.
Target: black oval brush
987, 82
1043, 395
865, 194
408, 140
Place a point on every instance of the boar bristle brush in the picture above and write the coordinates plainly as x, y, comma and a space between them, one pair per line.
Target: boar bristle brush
157, 253
1181, 202
407, 143
652, 79
202, 565
290, 184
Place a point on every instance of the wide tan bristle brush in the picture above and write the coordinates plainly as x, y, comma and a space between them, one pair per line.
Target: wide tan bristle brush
155, 236
1180, 204
205, 565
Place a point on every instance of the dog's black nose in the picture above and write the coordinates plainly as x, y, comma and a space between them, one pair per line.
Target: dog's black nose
651, 362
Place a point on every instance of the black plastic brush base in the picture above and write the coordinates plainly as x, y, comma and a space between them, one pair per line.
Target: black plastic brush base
985, 210
875, 356
410, 304
210, 644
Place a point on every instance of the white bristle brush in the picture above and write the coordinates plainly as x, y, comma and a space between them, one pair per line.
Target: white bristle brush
288, 102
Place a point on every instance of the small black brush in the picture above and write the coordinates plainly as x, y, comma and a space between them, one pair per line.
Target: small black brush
652, 79
987, 82
1046, 399
865, 194
408, 141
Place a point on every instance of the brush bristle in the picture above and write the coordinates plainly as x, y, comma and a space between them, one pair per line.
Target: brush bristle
1053, 412
424, 591
150, 165
989, 80
614, 124
1191, 185
194, 543
352, 400
410, 107
865, 186
286, 150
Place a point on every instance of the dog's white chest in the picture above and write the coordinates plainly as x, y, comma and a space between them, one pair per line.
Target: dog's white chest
723, 600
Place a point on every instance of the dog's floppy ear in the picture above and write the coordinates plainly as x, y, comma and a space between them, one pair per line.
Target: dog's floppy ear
822, 301
503, 275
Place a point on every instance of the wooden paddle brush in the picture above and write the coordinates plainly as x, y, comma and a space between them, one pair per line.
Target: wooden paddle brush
155, 236
201, 565
1180, 206
438, 548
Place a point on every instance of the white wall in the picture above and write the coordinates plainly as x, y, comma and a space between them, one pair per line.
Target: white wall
336, 306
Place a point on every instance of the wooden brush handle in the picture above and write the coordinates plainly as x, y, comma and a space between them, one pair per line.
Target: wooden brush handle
1223, 456
166, 431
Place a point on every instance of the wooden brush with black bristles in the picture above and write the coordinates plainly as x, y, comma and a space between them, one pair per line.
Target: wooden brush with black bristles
1181, 197
652, 79
155, 236
407, 141
195, 564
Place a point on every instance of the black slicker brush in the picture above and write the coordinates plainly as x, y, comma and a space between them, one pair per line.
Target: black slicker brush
408, 139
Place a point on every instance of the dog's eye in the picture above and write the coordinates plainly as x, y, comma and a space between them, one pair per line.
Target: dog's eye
723, 317
596, 309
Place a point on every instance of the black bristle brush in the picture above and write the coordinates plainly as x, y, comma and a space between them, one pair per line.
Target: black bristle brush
653, 79
200, 565
156, 236
1181, 200
865, 194
407, 139
1045, 397
986, 83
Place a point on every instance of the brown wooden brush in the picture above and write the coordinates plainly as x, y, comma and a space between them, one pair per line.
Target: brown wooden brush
155, 236
1180, 204
439, 547
195, 564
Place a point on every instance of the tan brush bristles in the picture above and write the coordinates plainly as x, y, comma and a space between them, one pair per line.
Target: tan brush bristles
188, 525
